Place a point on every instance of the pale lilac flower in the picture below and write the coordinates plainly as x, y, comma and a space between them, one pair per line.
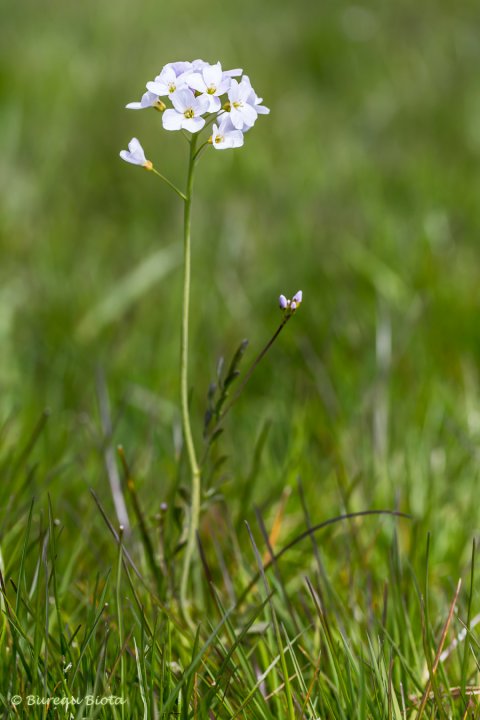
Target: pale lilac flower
187, 111
211, 82
136, 155
283, 302
243, 114
225, 136
167, 82
149, 99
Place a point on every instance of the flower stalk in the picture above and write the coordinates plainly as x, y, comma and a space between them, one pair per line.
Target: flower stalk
186, 425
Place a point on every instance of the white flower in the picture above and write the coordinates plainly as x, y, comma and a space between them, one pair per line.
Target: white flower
225, 136
243, 114
282, 302
149, 99
136, 155
211, 82
167, 82
187, 112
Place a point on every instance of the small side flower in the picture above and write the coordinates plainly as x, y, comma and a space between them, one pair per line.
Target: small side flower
136, 155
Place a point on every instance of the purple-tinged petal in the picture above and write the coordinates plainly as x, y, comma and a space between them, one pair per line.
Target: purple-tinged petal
298, 297
180, 67
282, 301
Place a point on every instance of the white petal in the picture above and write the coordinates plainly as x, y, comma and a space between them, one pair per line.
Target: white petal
214, 104
135, 147
196, 81
249, 115
233, 73
148, 99
236, 118
223, 86
244, 90
201, 104
194, 124
125, 155
157, 88
182, 99
134, 154
236, 138
168, 75
213, 74
226, 124
172, 120
198, 65
233, 91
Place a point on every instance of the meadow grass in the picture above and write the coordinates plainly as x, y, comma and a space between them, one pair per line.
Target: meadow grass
362, 189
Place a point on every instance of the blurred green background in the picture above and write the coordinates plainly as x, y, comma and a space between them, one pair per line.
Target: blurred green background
361, 187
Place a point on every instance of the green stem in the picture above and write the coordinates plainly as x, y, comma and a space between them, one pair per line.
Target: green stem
166, 180
187, 430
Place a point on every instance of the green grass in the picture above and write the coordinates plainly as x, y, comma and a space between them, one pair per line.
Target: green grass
362, 189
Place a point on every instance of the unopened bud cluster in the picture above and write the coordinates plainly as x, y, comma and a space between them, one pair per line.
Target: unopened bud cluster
289, 306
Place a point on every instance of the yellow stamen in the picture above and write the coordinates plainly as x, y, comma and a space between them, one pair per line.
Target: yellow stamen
148, 165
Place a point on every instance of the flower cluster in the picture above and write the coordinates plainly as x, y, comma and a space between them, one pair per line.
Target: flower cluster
290, 305
203, 94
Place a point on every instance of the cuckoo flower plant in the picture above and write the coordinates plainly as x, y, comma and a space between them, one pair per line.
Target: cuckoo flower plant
195, 98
